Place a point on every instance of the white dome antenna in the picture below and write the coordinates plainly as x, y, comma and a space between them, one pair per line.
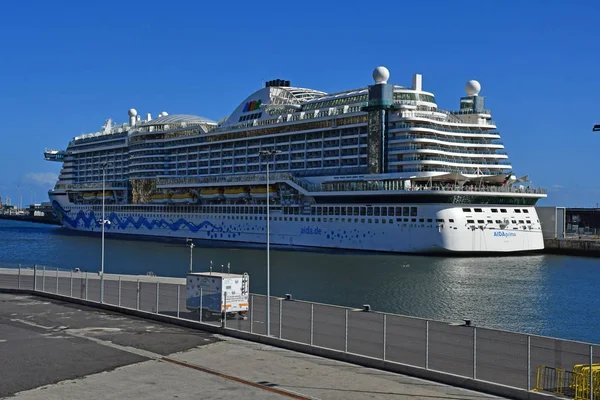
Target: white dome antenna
381, 75
473, 88
132, 116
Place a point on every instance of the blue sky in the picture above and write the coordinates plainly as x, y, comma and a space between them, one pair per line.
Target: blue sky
68, 66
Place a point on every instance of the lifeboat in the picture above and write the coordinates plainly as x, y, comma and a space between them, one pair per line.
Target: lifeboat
236, 192
161, 198
211, 193
89, 196
260, 192
108, 195
183, 198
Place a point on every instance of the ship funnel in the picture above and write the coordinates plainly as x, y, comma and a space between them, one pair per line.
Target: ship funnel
132, 116
148, 117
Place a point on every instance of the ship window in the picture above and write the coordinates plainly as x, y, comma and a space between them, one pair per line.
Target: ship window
503, 210
391, 221
356, 211
376, 220
313, 219
383, 221
526, 211
369, 220
470, 221
362, 220
439, 220
337, 211
398, 219
494, 210
498, 221
370, 211
489, 221
384, 211
391, 211
319, 211
421, 220
398, 211
450, 220
521, 221
405, 211
466, 209
517, 210
513, 221
477, 210
480, 221
405, 219
363, 211
376, 211
413, 211
528, 222
318, 219
429, 220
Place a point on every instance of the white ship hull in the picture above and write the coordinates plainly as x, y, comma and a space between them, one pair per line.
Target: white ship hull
332, 232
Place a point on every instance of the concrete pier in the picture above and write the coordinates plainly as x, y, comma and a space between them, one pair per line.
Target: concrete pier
573, 246
55, 350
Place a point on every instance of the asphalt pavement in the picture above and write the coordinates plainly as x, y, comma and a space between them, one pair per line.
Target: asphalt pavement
56, 350
499, 356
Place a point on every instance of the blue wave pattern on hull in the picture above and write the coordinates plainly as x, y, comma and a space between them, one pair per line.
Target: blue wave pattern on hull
90, 219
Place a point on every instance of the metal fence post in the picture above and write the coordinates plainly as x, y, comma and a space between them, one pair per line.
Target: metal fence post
178, 296
312, 321
71, 284
427, 344
86, 285
251, 313
44, 279
19, 278
56, 280
528, 363
119, 293
35, 277
224, 320
591, 372
280, 314
346, 331
200, 311
137, 296
384, 334
474, 353
157, 291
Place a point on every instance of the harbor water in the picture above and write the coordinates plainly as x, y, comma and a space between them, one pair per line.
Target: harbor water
539, 294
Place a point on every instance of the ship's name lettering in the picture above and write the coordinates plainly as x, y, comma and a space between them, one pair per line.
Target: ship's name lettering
310, 231
505, 234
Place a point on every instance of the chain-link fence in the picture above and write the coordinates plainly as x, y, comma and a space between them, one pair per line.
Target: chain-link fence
522, 361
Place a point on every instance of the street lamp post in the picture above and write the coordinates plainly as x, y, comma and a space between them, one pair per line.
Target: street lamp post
104, 222
191, 252
268, 318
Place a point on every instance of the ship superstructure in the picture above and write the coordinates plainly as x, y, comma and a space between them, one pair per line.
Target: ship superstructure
375, 168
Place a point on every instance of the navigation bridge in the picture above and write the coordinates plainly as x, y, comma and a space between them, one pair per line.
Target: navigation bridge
54, 155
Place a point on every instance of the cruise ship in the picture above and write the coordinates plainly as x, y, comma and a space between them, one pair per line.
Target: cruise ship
377, 168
